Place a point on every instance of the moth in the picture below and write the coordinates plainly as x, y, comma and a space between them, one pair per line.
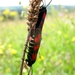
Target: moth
35, 37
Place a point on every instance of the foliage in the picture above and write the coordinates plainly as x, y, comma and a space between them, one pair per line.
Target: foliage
1, 18
8, 14
13, 15
57, 51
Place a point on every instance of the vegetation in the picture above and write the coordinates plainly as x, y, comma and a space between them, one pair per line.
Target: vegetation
57, 51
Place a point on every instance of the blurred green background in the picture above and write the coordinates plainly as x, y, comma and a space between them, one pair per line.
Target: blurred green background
57, 51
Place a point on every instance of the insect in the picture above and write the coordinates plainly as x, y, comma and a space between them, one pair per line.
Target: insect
35, 22
35, 38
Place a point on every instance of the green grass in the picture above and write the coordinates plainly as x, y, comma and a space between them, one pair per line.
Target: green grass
57, 50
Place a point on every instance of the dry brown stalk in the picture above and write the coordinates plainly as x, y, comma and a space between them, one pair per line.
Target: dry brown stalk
33, 12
